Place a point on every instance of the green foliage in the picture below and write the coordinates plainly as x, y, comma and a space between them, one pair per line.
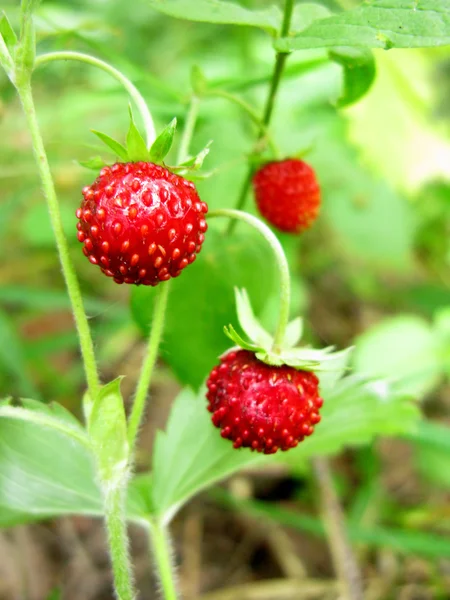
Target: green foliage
402, 349
163, 143
432, 452
118, 148
7, 32
378, 24
136, 146
201, 301
359, 73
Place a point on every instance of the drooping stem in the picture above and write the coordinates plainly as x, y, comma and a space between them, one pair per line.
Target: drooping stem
100, 64
280, 61
116, 528
280, 257
162, 552
341, 551
157, 326
73, 287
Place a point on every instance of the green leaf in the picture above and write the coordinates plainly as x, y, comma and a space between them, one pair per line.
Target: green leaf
191, 455
378, 24
359, 73
115, 146
355, 411
107, 428
163, 143
432, 451
402, 349
193, 319
199, 82
95, 163
7, 32
12, 356
136, 147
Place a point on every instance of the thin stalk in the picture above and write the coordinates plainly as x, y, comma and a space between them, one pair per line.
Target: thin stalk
343, 559
116, 528
73, 287
280, 257
188, 131
100, 64
280, 62
148, 365
162, 552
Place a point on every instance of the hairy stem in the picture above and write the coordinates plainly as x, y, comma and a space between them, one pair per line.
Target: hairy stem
162, 552
280, 61
73, 287
116, 528
280, 257
341, 551
100, 64
157, 326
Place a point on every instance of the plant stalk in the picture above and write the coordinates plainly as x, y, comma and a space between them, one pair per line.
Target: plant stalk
70, 277
344, 561
282, 264
162, 552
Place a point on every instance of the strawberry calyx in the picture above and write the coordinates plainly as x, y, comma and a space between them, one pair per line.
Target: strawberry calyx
136, 150
261, 342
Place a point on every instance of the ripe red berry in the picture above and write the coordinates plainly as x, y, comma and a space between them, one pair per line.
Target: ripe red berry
262, 407
140, 223
287, 194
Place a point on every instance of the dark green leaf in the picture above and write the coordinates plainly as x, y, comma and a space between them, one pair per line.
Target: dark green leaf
7, 32
136, 147
118, 149
359, 73
163, 143
378, 24
191, 455
201, 301
107, 428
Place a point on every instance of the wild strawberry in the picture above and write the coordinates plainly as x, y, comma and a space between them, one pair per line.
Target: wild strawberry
141, 223
287, 194
262, 407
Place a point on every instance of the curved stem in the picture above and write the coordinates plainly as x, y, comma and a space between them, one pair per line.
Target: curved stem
157, 326
188, 131
280, 257
130, 88
116, 528
73, 287
162, 551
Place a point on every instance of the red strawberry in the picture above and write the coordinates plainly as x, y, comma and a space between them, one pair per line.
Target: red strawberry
262, 407
140, 223
287, 194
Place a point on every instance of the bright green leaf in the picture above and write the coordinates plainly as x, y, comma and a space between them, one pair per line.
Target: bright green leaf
163, 143
107, 428
7, 32
191, 455
359, 73
136, 147
378, 24
403, 350
113, 145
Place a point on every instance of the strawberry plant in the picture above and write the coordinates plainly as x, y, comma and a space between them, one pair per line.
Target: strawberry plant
254, 395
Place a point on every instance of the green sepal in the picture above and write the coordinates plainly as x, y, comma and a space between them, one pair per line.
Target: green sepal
163, 143
198, 81
231, 333
118, 149
249, 323
95, 163
7, 32
136, 146
107, 428
195, 163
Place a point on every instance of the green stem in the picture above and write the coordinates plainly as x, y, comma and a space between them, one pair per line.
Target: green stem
280, 62
73, 287
188, 131
116, 528
130, 88
157, 326
283, 268
162, 551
